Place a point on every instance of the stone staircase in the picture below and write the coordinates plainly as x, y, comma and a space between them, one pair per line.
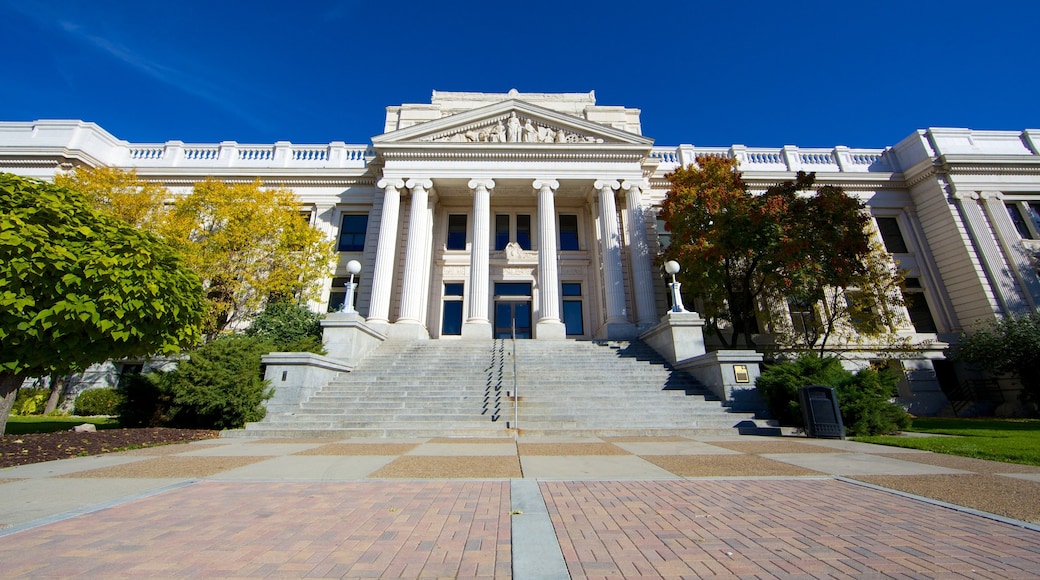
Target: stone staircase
464, 388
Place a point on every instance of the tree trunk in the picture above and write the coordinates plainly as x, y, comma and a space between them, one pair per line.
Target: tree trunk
57, 387
9, 384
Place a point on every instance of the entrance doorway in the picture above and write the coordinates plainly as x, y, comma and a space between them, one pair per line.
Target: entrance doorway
512, 309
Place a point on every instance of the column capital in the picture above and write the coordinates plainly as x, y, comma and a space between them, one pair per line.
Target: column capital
552, 184
988, 195
426, 184
477, 183
640, 184
964, 195
603, 184
390, 182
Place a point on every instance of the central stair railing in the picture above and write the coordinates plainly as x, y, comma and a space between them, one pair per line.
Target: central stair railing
516, 396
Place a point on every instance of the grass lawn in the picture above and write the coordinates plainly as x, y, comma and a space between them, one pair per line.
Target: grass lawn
1008, 440
18, 425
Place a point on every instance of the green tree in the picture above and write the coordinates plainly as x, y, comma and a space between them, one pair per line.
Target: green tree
249, 246
1011, 345
738, 248
290, 326
78, 286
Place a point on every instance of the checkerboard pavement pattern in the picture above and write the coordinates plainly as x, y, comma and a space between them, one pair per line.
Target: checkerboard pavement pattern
620, 507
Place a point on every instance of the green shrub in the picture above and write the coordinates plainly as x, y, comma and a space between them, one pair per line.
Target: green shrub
98, 402
864, 397
219, 386
30, 401
145, 403
291, 327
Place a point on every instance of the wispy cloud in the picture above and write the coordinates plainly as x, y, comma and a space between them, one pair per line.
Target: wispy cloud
138, 59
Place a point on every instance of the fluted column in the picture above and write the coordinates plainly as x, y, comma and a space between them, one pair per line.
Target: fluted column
642, 276
549, 325
477, 323
617, 325
415, 254
383, 270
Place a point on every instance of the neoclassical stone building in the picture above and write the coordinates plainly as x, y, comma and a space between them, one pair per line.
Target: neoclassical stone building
479, 212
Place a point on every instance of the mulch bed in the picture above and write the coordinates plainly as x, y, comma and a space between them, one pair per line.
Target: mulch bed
38, 447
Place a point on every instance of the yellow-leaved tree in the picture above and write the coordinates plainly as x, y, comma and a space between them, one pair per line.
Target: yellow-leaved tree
119, 193
249, 245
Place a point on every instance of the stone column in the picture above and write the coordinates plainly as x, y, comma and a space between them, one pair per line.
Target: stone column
478, 325
383, 270
639, 249
1003, 282
617, 324
415, 263
1011, 243
549, 326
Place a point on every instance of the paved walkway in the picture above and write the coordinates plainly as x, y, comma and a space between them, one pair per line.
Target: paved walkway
540, 508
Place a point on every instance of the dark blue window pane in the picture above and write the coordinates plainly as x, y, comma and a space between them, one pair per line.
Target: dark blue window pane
572, 317
523, 231
352, 233
568, 233
453, 289
572, 289
512, 289
452, 324
456, 232
501, 231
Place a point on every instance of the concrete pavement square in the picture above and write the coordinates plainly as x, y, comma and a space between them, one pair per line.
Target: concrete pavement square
856, 446
464, 467
686, 447
252, 449
1026, 476
858, 464
583, 449
769, 445
66, 466
592, 467
309, 468
464, 449
374, 448
177, 466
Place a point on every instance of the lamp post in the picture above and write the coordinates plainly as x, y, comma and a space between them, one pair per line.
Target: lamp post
672, 267
354, 268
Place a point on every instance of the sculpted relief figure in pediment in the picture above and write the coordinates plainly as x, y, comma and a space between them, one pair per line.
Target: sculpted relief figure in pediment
514, 130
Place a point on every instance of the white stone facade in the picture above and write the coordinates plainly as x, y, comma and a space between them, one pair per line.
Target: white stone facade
477, 210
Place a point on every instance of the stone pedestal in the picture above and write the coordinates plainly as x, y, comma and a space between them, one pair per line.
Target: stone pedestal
480, 330
296, 376
348, 337
677, 337
550, 330
730, 375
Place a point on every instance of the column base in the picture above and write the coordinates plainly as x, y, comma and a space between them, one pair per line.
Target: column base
617, 331
550, 330
408, 331
476, 331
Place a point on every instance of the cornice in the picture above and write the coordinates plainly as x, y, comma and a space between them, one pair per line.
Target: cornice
990, 164
565, 153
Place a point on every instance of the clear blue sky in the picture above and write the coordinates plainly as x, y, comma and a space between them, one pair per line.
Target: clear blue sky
762, 74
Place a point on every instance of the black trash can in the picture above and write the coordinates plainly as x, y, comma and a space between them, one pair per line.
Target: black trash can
821, 412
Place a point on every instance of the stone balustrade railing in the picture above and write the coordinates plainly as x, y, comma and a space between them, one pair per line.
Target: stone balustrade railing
838, 159
231, 154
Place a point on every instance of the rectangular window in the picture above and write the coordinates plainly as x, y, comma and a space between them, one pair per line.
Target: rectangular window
456, 232
664, 237
803, 318
1020, 223
568, 233
501, 232
523, 231
451, 324
572, 317
891, 235
1034, 215
352, 232
917, 306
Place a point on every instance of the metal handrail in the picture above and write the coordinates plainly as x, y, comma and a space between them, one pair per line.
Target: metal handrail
516, 396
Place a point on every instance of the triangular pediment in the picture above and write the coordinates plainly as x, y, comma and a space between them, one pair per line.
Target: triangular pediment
510, 123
